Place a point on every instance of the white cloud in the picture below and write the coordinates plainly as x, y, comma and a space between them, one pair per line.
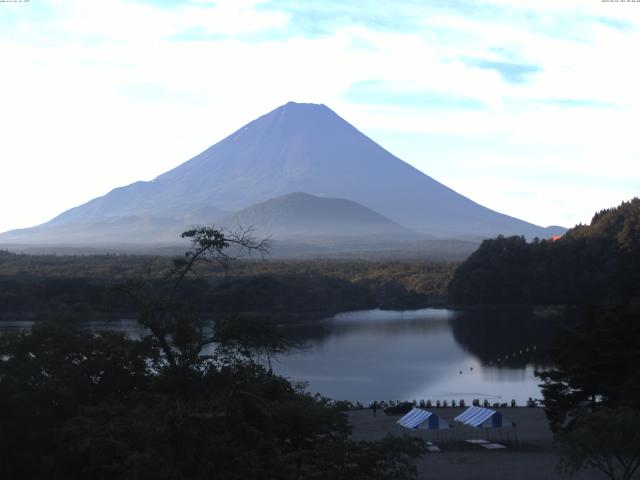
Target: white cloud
545, 203
100, 94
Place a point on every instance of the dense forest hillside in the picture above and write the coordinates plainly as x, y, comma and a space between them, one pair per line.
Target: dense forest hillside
31, 285
591, 264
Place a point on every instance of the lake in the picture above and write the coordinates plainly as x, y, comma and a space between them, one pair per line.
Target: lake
436, 354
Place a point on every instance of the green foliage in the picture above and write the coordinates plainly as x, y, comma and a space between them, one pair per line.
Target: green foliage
391, 458
596, 357
50, 375
595, 264
592, 396
41, 284
605, 440
77, 405
287, 294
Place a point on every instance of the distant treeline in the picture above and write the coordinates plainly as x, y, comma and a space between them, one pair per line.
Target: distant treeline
95, 285
591, 264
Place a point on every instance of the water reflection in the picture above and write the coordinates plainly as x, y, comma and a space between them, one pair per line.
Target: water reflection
376, 322
512, 338
431, 354
435, 354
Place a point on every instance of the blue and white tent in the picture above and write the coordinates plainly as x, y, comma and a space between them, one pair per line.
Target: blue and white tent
483, 417
418, 419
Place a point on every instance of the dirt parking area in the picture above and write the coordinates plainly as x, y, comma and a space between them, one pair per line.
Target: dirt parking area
530, 454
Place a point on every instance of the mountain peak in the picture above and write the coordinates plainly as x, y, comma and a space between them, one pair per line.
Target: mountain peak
299, 116
302, 147
304, 105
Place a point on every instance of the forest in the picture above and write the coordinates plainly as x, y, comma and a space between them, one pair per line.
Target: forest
596, 264
593, 273
91, 285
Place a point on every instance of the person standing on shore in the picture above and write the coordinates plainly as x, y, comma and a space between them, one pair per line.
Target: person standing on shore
375, 407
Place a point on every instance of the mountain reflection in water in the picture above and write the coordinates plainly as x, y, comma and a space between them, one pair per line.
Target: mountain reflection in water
435, 354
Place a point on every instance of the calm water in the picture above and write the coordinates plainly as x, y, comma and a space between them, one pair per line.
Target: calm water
435, 354
432, 354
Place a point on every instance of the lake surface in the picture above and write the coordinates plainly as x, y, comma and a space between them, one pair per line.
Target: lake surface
436, 354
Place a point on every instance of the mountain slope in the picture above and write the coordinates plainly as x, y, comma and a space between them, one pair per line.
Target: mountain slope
302, 148
126, 230
159, 227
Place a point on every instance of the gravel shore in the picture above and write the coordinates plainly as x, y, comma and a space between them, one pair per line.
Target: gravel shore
530, 454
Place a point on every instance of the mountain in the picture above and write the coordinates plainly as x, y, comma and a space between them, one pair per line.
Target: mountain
159, 226
295, 148
127, 230
304, 216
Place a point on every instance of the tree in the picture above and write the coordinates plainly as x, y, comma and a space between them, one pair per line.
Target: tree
252, 336
596, 356
52, 374
391, 458
76, 404
164, 305
591, 264
592, 396
607, 440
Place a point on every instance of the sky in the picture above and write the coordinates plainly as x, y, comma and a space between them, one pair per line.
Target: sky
529, 107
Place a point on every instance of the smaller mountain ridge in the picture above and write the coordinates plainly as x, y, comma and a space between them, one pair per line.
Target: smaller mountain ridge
301, 215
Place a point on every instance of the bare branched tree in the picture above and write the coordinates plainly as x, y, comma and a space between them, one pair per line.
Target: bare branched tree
165, 309
211, 245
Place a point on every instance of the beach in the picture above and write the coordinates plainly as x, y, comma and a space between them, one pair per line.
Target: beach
530, 453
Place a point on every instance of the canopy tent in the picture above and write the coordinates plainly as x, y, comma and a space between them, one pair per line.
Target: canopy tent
418, 419
483, 417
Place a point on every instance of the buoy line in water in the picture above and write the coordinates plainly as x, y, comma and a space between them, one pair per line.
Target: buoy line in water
508, 356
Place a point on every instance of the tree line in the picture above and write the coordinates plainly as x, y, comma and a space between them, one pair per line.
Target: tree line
591, 393
591, 264
37, 285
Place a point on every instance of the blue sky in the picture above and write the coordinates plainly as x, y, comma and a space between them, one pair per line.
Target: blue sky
529, 107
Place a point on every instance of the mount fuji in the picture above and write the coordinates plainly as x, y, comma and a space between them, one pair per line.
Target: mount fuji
296, 148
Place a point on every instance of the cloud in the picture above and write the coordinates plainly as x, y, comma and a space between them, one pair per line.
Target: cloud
577, 103
130, 89
407, 96
510, 72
